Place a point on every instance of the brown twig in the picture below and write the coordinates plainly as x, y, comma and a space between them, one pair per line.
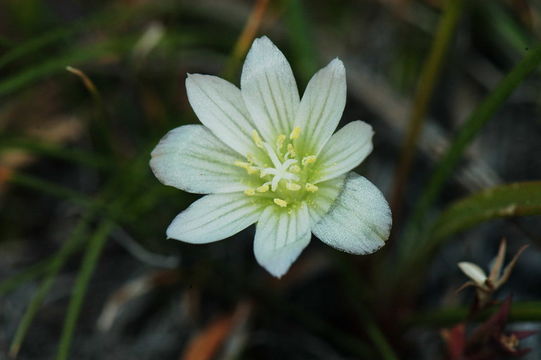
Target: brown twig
245, 39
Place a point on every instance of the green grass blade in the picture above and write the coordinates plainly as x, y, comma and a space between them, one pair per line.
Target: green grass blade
517, 199
58, 261
58, 64
58, 35
412, 241
50, 188
131, 178
26, 275
304, 52
520, 311
92, 254
504, 26
33, 45
56, 151
425, 90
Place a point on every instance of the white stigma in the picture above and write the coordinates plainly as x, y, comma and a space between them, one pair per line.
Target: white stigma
280, 171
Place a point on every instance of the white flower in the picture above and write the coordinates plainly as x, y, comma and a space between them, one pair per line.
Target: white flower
485, 284
265, 156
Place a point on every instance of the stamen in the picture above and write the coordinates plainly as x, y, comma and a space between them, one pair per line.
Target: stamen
291, 151
311, 187
249, 192
241, 164
293, 187
280, 141
249, 168
280, 202
294, 169
310, 159
295, 133
257, 140
263, 188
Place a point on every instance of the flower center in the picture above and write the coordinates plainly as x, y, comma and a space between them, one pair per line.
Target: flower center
283, 174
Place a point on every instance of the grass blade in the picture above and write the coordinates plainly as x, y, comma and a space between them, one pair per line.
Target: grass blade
471, 128
425, 90
28, 274
92, 254
58, 64
54, 150
130, 178
49, 188
304, 52
57, 262
517, 199
34, 44
520, 311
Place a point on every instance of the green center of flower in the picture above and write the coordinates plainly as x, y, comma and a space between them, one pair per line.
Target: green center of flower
284, 173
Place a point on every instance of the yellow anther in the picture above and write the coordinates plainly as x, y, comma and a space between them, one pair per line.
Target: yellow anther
280, 202
311, 187
242, 164
310, 159
280, 141
249, 192
291, 151
293, 187
295, 133
249, 168
294, 169
263, 188
257, 140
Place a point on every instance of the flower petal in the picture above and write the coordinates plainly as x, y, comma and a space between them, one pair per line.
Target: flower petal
269, 89
359, 221
191, 158
322, 200
214, 217
219, 106
322, 106
280, 237
345, 150
473, 271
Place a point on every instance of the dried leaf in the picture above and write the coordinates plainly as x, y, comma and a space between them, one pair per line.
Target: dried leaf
130, 291
206, 344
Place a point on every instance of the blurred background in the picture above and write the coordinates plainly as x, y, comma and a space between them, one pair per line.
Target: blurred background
87, 89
